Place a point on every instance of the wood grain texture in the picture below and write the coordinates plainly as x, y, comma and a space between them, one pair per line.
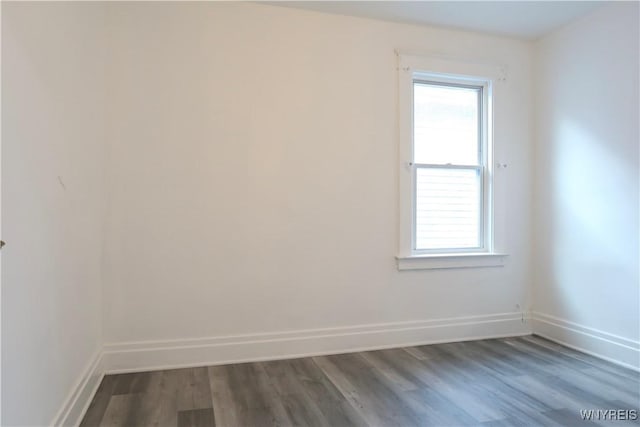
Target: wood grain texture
520, 381
196, 418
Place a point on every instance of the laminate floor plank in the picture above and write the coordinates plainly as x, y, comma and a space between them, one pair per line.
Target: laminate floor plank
222, 396
509, 399
491, 359
589, 398
388, 364
100, 402
147, 409
439, 410
456, 386
248, 398
417, 386
196, 418
543, 363
309, 397
190, 387
519, 422
534, 348
519, 381
133, 382
300, 407
377, 403
335, 408
584, 360
452, 379
509, 362
538, 388
612, 392
119, 411
629, 384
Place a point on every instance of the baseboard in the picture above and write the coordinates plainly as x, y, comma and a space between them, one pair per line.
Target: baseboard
616, 349
146, 356
80, 397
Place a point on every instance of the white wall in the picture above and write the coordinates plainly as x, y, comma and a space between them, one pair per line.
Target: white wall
252, 180
251, 157
53, 97
253, 174
586, 188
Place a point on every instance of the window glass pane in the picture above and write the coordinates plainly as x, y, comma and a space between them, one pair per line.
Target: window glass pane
445, 124
447, 208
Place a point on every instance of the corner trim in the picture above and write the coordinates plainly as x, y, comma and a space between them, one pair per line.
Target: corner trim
154, 355
78, 400
613, 348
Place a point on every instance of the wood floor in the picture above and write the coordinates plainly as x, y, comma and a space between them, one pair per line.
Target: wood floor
525, 381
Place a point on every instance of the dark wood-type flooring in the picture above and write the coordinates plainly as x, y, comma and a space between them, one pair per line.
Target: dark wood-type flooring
526, 381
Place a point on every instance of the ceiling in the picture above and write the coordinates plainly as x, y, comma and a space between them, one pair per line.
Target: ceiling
522, 19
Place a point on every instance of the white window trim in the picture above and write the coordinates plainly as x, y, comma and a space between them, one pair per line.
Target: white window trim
442, 261
407, 258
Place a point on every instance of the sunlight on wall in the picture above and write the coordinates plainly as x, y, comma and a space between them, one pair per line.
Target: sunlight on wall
591, 237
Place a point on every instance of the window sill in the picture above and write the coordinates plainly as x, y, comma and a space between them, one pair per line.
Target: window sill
445, 261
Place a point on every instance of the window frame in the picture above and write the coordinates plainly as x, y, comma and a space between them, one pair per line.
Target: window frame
484, 87
413, 68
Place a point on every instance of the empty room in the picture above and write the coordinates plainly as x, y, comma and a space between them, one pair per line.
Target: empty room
320, 213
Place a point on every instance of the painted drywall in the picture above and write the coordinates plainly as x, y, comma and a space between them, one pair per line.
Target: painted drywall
253, 174
53, 139
586, 230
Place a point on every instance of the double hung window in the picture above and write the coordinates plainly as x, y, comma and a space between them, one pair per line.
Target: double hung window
446, 182
449, 165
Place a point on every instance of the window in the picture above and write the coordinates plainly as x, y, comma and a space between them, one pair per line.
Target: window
448, 165
446, 175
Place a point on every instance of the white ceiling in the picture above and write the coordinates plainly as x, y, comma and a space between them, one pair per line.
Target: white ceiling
522, 19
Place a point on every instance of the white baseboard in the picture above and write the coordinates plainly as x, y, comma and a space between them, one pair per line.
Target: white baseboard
154, 355
77, 402
616, 349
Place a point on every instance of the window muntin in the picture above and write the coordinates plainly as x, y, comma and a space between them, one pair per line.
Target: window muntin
449, 177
